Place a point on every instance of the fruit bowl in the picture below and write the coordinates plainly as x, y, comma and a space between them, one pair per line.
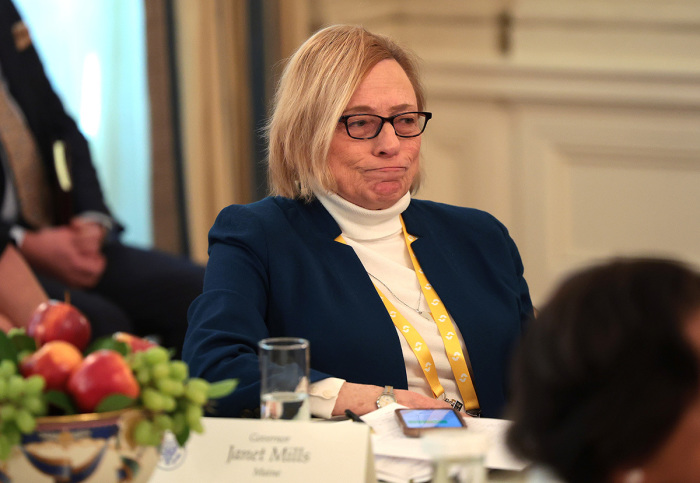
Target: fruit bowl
91, 447
101, 413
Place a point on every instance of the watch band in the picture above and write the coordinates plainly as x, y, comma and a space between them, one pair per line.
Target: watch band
387, 397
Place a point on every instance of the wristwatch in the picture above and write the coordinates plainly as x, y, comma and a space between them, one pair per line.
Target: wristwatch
387, 397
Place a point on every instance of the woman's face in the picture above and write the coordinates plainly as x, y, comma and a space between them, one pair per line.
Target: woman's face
376, 173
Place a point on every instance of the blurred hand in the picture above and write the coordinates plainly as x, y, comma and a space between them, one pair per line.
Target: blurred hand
89, 235
362, 399
69, 254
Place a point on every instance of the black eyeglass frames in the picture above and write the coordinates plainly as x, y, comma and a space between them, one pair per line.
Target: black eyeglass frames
368, 126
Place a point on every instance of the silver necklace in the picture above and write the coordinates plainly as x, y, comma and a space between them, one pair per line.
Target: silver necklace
420, 295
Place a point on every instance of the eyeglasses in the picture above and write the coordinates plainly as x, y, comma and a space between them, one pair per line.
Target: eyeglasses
368, 126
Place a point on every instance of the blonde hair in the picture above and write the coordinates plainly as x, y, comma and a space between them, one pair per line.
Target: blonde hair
315, 87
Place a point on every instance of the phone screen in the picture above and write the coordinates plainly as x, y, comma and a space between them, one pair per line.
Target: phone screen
430, 418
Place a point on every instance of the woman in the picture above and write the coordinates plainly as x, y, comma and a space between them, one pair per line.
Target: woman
312, 261
20, 292
607, 379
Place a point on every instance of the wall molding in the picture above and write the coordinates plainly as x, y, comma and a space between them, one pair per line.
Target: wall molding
505, 81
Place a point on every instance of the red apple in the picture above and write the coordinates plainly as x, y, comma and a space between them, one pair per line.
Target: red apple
137, 344
101, 374
55, 361
55, 320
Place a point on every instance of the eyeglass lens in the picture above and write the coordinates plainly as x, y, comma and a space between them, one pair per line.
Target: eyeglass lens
366, 126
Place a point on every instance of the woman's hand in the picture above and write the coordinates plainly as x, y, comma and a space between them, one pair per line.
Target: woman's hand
362, 399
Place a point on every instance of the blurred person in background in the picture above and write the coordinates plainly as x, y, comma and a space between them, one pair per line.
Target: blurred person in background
606, 382
68, 236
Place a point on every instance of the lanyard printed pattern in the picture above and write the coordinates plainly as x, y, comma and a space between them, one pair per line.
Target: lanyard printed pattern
447, 331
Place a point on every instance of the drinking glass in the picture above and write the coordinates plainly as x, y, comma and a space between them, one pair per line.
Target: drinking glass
284, 378
457, 454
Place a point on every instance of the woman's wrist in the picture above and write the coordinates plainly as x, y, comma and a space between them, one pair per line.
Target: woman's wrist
359, 398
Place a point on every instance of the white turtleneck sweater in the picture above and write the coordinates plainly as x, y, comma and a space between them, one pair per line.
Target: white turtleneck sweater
378, 241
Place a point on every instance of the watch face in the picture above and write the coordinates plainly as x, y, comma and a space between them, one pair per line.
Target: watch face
385, 400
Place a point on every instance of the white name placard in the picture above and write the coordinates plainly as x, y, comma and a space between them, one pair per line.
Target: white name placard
254, 450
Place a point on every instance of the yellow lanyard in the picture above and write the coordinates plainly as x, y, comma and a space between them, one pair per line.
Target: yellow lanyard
420, 349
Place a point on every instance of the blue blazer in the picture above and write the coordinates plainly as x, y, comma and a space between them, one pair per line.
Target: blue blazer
275, 269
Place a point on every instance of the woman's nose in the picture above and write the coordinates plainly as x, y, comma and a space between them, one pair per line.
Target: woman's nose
387, 142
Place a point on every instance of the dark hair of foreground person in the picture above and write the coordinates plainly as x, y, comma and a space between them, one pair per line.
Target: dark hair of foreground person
606, 380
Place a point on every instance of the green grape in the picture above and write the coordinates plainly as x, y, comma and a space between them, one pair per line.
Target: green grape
163, 385
5, 447
152, 399
195, 394
34, 404
163, 421
170, 387
177, 389
25, 421
142, 432
34, 385
7, 368
156, 437
7, 412
13, 435
156, 355
199, 384
160, 370
197, 427
193, 414
197, 391
15, 388
3, 389
136, 361
147, 434
143, 375
169, 403
179, 370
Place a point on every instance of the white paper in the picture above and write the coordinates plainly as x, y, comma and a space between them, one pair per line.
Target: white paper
388, 439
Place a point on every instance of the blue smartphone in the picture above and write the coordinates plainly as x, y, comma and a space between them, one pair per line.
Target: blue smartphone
414, 421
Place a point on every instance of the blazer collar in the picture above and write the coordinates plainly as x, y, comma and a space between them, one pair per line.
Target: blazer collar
415, 223
321, 219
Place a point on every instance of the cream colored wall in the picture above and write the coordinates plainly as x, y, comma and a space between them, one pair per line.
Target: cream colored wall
581, 133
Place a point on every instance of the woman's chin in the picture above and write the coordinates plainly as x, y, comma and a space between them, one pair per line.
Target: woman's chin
384, 200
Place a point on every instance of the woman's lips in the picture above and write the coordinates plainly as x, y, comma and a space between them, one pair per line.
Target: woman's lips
388, 169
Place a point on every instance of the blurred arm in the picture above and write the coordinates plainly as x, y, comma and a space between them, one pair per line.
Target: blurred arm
20, 292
